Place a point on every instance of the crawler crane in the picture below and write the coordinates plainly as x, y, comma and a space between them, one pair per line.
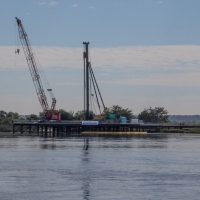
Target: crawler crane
31, 61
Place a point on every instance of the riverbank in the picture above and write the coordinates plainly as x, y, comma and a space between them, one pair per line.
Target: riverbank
6, 128
189, 130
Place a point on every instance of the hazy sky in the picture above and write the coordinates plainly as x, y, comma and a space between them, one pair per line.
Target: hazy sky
143, 52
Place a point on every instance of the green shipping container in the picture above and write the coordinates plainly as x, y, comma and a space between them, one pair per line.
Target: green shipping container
110, 116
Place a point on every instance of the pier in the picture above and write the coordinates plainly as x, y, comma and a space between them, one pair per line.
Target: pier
71, 128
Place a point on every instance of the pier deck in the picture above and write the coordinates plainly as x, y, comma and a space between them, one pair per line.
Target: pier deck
68, 128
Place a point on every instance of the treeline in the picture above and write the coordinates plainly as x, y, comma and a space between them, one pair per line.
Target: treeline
65, 115
152, 115
115, 109
5, 120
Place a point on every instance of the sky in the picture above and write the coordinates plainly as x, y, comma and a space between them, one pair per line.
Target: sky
143, 53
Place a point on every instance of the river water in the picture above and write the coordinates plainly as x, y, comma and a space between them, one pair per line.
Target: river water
157, 166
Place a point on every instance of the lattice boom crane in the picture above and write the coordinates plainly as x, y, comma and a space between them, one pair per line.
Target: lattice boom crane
48, 111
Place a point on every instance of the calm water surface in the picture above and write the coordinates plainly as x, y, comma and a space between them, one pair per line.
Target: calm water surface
145, 167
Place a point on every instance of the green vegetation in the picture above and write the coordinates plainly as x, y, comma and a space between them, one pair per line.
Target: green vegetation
73, 116
5, 120
154, 115
32, 117
189, 130
119, 111
66, 115
150, 115
81, 115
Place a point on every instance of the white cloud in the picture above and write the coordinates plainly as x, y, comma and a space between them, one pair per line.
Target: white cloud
182, 79
147, 58
91, 7
52, 3
160, 2
18, 103
42, 3
66, 83
125, 68
138, 65
75, 5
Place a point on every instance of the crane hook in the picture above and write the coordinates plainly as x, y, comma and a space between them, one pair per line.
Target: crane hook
17, 51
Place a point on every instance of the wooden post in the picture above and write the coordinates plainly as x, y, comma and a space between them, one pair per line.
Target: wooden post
45, 131
57, 132
38, 129
13, 129
21, 129
79, 129
29, 129
42, 130
53, 134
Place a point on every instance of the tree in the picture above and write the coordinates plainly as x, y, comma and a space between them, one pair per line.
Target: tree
32, 117
154, 115
66, 115
41, 115
119, 111
6, 121
2, 114
12, 115
81, 114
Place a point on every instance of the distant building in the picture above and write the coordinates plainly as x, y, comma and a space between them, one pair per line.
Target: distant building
22, 116
184, 118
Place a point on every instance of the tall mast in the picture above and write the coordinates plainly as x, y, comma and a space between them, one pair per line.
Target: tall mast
86, 81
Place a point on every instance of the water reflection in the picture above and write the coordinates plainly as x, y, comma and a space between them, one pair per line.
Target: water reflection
152, 136
48, 146
86, 170
86, 190
100, 167
86, 143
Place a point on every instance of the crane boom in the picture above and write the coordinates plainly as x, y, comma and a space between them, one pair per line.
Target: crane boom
48, 111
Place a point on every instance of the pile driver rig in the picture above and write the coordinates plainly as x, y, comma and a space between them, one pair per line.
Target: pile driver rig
89, 81
49, 112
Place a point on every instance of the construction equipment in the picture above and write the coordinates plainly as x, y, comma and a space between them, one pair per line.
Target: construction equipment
101, 116
48, 111
89, 84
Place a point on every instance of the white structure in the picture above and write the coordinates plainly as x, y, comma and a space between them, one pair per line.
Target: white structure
136, 121
90, 122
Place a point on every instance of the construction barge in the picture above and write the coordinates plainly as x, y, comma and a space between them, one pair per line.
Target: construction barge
52, 124
72, 128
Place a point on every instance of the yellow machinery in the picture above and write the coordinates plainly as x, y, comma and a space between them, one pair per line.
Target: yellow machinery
101, 116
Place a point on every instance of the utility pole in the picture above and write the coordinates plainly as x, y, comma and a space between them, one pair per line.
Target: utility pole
86, 81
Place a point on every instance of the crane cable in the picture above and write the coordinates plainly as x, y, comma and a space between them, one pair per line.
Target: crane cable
41, 72
43, 76
94, 104
15, 43
97, 87
94, 88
